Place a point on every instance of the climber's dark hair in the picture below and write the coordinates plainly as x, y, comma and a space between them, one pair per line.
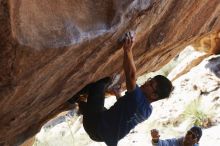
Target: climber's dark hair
164, 86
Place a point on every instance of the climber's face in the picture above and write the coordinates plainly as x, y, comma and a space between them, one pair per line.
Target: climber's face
149, 89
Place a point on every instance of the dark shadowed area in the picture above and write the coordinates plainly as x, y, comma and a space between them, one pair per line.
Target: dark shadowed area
49, 50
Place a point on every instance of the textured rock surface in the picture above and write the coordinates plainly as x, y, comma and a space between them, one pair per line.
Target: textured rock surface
50, 49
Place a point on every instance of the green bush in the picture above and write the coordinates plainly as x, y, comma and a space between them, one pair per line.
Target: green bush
199, 115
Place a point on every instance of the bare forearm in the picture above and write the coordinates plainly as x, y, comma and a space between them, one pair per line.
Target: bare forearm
130, 70
128, 63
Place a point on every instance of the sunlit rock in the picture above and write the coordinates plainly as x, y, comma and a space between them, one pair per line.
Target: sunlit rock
51, 49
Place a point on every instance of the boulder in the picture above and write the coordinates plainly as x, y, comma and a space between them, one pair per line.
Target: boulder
49, 50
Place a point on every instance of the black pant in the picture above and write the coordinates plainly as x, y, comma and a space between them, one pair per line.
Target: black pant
94, 107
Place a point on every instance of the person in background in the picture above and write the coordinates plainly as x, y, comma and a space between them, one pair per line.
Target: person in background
191, 138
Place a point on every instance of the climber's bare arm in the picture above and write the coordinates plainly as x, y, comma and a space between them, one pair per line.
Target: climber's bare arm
128, 63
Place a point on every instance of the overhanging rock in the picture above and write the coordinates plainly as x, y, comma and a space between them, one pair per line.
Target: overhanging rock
50, 49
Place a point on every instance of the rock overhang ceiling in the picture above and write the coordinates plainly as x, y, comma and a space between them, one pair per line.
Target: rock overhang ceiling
50, 49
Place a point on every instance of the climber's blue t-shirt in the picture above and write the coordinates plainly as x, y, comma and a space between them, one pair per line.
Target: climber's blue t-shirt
123, 116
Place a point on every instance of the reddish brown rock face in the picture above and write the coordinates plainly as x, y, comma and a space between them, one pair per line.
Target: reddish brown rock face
50, 49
